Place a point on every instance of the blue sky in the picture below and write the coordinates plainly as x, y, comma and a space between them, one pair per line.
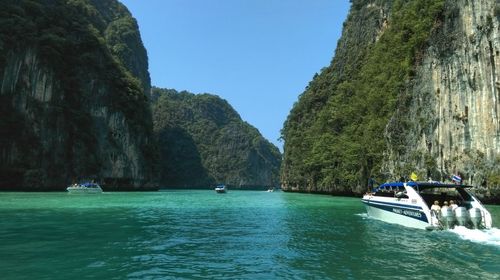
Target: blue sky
259, 55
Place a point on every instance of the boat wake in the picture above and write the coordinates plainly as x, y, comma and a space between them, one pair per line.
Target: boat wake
487, 236
484, 236
363, 215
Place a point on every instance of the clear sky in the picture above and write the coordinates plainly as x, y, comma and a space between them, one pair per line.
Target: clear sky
259, 55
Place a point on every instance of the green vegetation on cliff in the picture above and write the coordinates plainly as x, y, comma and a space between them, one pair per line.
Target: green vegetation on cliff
334, 133
203, 141
71, 35
66, 67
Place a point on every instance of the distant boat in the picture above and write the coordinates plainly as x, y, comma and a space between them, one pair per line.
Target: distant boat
85, 187
221, 189
271, 189
411, 204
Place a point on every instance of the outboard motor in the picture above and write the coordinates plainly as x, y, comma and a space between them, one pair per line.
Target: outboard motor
447, 218
462, 216
476, 217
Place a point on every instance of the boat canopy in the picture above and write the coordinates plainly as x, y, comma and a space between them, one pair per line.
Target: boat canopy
88, 185
420, 185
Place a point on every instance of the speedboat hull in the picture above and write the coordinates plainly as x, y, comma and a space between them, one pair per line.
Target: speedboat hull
397, 214
83, 190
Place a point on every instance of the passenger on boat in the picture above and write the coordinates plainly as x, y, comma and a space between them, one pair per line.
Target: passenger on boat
435, 207
453, 205
445, 205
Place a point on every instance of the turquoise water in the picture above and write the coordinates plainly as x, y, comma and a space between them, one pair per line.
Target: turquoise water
238, 235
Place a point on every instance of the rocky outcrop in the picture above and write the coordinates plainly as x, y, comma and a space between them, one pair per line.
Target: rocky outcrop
304, 126
437, 110
203, 141
450, 122
123, 39
71, 107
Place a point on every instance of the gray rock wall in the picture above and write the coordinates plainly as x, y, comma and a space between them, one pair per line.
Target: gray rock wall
57, 137
450, 121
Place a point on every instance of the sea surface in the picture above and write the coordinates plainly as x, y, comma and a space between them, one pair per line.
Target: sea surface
183, 234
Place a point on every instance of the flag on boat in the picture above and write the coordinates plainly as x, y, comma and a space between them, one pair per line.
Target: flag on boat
456, 178
413, 176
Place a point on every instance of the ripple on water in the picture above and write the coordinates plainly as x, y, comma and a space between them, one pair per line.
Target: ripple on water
241, 235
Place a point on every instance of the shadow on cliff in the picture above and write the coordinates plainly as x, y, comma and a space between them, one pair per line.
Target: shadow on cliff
180, 161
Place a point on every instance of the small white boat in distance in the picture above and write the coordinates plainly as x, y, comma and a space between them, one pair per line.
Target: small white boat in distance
86, 187
221, 189
424, 205
271, 189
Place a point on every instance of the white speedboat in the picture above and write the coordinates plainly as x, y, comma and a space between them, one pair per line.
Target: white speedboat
221, 189
410, 203
86, 187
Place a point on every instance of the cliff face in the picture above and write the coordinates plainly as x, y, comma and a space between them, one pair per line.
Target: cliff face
450, 120
438, 112
121, 33
71, 107
308, 158
203, 141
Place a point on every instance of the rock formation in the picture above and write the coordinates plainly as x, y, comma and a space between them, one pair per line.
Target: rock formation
72, 97
453, 108
203, 141
438, 112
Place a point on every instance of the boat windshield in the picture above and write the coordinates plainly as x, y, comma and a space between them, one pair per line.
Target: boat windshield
390, 190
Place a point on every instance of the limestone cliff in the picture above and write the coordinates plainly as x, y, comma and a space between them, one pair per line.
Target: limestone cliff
123, 39
203, 141
72, 107
306, 160
450, 120
419, 91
